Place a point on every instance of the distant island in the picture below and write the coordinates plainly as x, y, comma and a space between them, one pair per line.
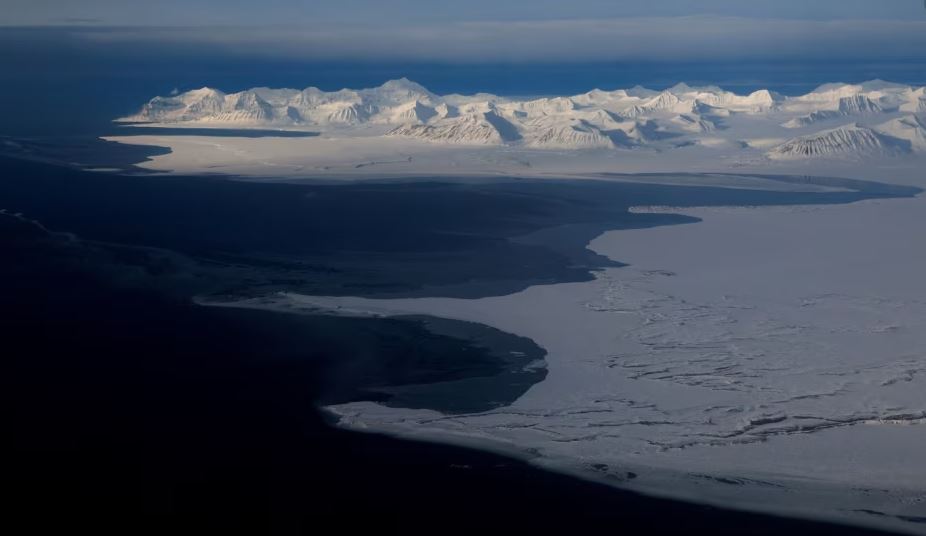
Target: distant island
869, 120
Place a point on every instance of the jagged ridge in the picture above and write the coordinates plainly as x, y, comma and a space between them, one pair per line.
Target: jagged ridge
630, 118
849, 140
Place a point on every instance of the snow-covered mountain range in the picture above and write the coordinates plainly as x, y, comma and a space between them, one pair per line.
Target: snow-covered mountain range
834, 121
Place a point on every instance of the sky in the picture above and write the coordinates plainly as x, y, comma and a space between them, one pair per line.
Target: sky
399, 12
111, 55
473, 31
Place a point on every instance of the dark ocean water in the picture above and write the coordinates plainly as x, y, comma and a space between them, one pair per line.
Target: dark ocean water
217, 240
132, 410
427, 238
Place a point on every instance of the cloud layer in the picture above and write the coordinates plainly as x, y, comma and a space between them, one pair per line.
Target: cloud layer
697, 38
398, 12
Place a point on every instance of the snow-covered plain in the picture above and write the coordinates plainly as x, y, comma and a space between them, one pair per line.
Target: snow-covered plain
764, 358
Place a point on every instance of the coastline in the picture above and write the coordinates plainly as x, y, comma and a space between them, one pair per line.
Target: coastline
535, 408
210, 424
598, 328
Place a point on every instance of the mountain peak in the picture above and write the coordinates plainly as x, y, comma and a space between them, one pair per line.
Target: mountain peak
852, 140
404, 84
203, 91
597, 119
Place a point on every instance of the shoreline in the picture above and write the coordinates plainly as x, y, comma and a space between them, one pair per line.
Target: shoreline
491, 369
720, 489
579, 323
228, 425
369, 418
374, 158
